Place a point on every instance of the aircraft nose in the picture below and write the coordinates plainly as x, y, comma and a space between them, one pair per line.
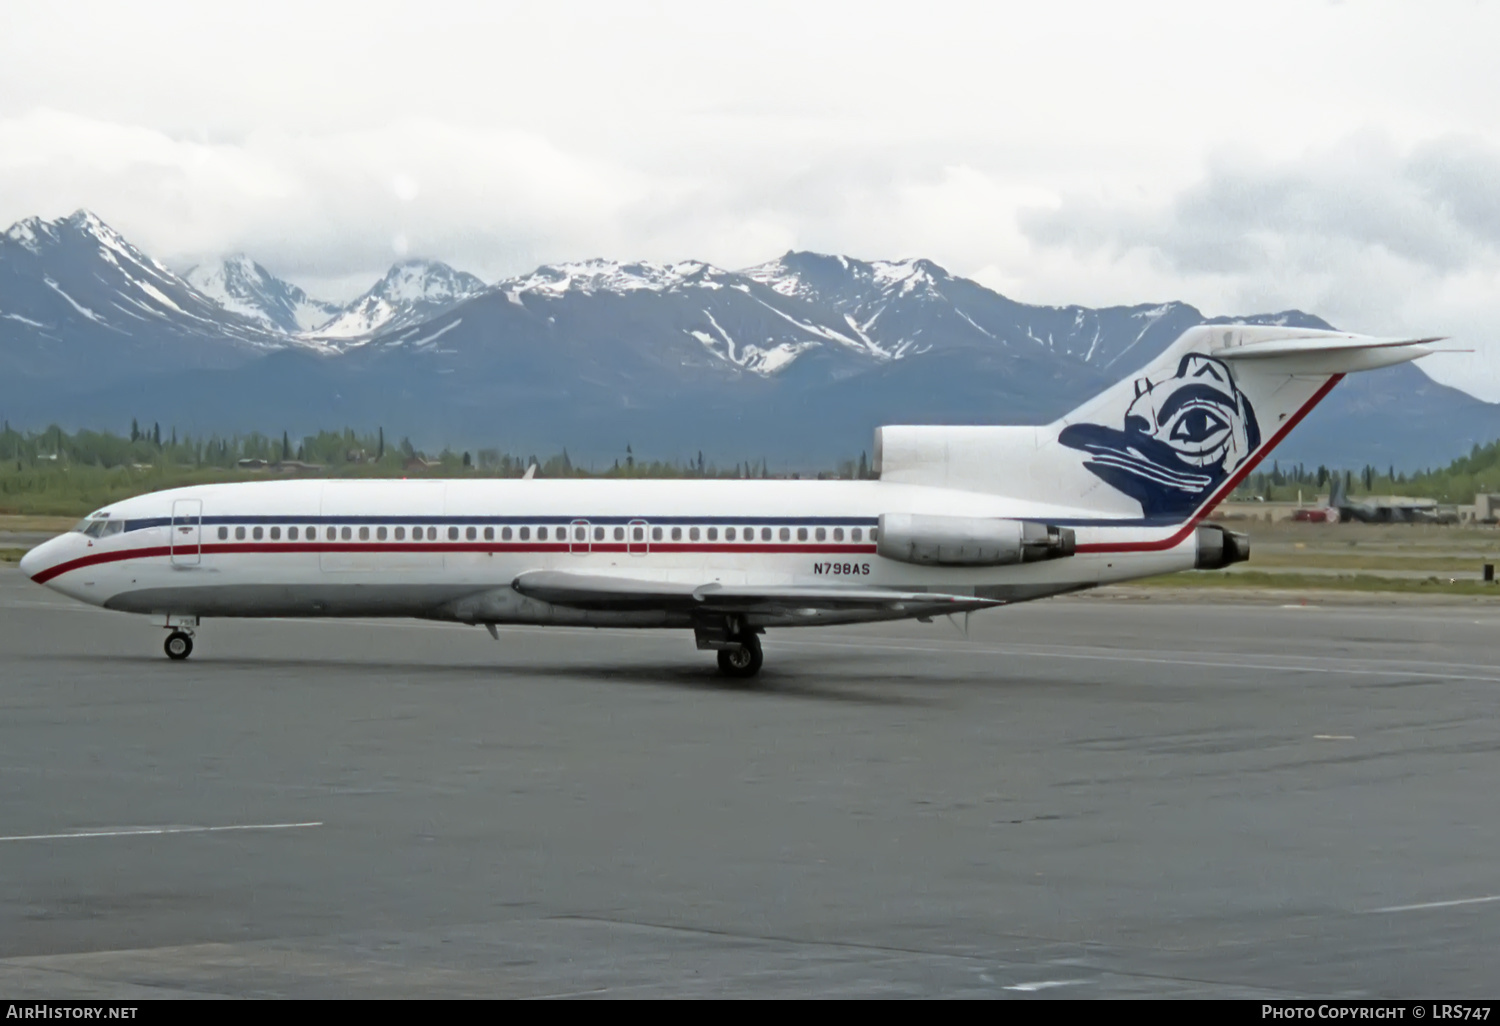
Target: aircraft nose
31, 563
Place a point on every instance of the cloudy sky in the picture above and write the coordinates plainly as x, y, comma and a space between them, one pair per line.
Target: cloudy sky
1343, 158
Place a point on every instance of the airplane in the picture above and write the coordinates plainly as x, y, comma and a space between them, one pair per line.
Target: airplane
1407, 511
959, 519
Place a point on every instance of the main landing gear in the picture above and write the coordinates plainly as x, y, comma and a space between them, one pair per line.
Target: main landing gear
742, 660
179, 645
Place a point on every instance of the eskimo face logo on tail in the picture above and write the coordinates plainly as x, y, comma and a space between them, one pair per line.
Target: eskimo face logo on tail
1184, 435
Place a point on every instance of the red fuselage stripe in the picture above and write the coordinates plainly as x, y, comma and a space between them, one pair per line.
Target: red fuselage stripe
372, 548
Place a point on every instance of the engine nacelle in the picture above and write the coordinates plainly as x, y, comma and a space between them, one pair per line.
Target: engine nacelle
969, 541
1219, 547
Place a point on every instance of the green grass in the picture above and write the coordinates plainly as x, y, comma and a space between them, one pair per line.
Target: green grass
1319, 582
12, 555
1430, 562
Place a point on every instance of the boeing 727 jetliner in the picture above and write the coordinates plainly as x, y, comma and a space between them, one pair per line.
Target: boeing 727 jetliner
959, 519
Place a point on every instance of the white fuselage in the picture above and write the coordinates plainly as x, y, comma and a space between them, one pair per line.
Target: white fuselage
450, 549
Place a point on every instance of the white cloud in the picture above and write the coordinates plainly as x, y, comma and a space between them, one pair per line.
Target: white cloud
1369, 236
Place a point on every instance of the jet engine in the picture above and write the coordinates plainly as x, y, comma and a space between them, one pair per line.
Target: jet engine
1219, 547
969, 541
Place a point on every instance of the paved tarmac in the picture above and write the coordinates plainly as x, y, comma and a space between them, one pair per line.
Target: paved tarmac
1081, 799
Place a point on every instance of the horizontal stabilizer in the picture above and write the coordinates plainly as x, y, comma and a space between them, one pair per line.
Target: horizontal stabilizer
1326, 353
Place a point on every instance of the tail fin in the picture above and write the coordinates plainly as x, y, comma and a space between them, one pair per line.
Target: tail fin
1164, 446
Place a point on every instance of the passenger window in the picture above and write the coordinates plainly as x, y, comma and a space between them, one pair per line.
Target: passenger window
364, 534
432, 534
729, 534
332, 533
525, 533
399, 534
472, 534
786, 534
239, 534
580, 534
856, 534
258, 534
874, 534
619, 534
677, 534
765, 534
312, 534
505, 534
598, 534
489, 534
380, 534
453, 534
656, 534
713, 534
345, 533
276, 534
223, 533
692, 534
838, 534
639, 534
820, 535
291, 534
802, 534
541, 533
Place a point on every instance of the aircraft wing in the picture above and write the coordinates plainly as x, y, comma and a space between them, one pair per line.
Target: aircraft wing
601, 591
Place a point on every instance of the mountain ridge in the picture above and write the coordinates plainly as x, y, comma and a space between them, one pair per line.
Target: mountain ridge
800, 357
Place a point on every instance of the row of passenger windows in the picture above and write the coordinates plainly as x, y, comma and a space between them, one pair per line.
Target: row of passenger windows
579, 533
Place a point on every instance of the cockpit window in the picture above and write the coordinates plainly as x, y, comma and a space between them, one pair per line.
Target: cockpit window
113, 527
95, 528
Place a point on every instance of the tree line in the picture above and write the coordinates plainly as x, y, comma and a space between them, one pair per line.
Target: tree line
64, 470
56, 471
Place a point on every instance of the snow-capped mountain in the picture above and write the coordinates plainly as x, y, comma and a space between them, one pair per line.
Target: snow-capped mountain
410, 292
240, 285
795, 359
79, 301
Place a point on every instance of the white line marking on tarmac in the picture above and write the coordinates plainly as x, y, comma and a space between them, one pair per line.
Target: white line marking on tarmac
1435, 904
1333, 737
155, 831
1114, 658
1044, 985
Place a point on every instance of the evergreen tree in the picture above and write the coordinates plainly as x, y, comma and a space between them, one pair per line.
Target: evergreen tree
629, 458
864, 466
286, 446
468, 462
379, 445
135, 430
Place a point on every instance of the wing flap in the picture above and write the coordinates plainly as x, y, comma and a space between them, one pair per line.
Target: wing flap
605, 592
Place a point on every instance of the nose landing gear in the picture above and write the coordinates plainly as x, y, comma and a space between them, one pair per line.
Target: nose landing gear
179, 645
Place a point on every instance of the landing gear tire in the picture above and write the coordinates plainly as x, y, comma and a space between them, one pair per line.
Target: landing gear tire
179, 645
743, 660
